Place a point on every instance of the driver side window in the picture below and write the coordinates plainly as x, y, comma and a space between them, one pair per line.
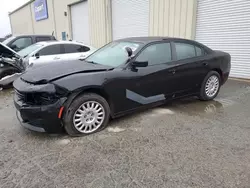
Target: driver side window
156, 54
21, 43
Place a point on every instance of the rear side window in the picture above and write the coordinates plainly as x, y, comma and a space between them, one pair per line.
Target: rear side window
73, 48
184, 51
156, 54
40, 39
199, 51
50, 50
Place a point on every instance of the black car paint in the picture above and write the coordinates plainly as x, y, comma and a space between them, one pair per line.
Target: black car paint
153, 84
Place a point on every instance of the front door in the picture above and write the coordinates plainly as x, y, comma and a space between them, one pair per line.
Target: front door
146, 85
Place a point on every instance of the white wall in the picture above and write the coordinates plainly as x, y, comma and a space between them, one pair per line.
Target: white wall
46, 26
173, 18
21, 21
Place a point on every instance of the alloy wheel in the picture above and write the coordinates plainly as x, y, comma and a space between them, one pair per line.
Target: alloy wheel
89, 117
212, 86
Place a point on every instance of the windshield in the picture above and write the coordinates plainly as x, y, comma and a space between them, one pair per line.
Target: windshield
8, 40
113, 54
27, 51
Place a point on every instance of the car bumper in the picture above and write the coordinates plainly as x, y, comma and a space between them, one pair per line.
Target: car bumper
224, 78
40, 118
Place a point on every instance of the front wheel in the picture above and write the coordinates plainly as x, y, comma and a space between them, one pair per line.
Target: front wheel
210, 86
88, 113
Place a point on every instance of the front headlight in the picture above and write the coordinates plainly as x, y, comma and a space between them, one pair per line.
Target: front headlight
1, 65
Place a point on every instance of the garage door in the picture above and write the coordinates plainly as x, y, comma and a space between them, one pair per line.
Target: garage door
225, 25
80, 22
130, 18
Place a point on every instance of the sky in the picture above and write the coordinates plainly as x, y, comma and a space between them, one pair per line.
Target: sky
5, 8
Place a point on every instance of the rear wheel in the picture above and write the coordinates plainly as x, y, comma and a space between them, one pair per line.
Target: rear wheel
210, 86
88, 113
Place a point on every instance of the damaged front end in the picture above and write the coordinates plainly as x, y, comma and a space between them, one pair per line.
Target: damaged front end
38, 105
11, 66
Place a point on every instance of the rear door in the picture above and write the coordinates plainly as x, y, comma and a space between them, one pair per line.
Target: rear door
191, 67
48, 54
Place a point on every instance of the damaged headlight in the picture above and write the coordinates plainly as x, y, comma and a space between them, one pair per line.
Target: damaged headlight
37, 98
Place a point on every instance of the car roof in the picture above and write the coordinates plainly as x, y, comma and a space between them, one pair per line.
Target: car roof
146, 40
51, 42
33, 36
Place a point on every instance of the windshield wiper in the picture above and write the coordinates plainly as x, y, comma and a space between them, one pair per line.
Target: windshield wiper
92, 62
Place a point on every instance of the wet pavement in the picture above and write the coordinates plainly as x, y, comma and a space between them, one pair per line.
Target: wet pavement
185, 143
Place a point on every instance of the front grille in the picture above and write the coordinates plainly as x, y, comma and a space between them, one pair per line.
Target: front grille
35, 98
20, 96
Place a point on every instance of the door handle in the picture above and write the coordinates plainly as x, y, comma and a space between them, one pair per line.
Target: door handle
172, 71
205, 63
56, 58
82, 57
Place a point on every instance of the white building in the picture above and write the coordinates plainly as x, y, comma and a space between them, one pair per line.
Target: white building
220, 24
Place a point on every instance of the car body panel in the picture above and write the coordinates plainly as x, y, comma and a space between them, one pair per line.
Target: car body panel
128, 88
42, 60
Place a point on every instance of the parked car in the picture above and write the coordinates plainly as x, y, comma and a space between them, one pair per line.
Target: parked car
121, 77
40, 54
11, 66
20, 42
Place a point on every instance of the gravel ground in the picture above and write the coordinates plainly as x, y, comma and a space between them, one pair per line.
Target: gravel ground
186, 143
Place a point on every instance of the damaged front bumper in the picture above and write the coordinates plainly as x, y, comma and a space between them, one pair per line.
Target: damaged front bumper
36, 115
39, 118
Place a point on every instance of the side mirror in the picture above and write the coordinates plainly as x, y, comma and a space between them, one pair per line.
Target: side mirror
139, 63
37, 55
129, 51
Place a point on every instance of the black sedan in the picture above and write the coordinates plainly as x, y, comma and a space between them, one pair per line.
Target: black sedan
121, 77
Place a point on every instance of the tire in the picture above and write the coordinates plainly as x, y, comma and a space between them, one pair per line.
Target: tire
204, 95
76, 109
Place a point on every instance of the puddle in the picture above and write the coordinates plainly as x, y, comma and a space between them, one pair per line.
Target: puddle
163, 111
195, 106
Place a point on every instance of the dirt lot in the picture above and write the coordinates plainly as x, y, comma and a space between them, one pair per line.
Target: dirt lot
187, 143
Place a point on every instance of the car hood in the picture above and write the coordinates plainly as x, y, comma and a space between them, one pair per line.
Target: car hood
7, 52
57, 70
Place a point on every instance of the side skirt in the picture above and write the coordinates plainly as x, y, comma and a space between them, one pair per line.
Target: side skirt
148, 106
